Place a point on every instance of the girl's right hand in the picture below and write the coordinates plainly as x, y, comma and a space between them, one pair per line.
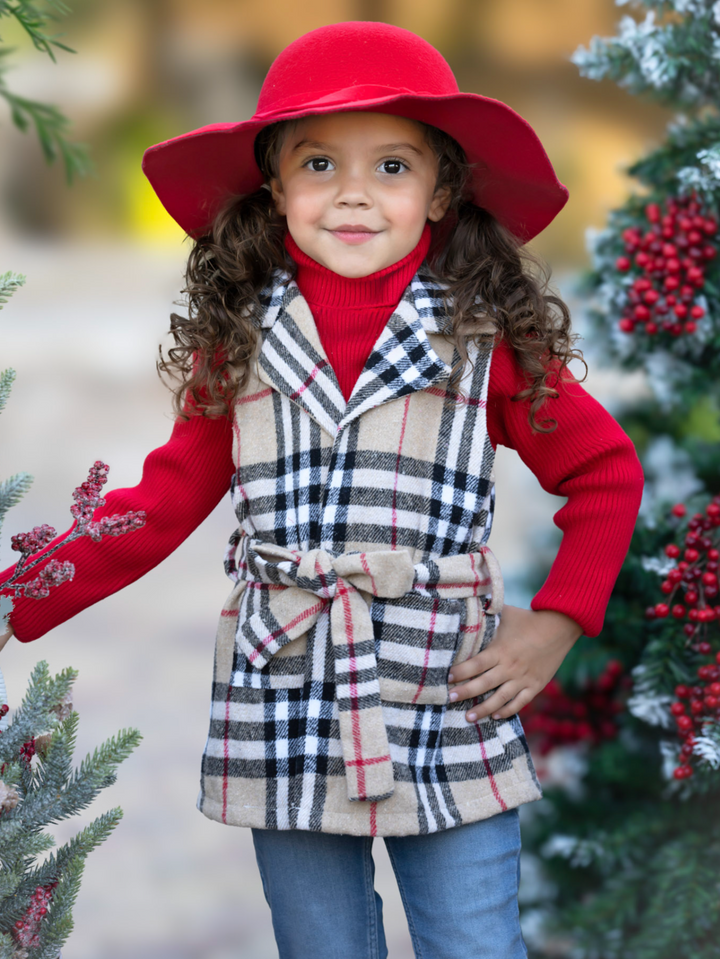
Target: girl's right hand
8, 634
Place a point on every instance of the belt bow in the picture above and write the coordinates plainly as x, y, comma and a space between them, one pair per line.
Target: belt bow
308, 582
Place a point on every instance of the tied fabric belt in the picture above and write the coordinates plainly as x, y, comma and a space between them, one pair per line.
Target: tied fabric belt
305, 583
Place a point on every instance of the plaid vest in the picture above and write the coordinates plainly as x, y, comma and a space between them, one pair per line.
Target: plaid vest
361, 574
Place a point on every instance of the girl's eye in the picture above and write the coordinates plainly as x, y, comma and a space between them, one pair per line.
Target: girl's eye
392, 166
319, 164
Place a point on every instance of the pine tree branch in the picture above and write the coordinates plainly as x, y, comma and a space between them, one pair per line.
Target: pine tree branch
9, 283
50, 124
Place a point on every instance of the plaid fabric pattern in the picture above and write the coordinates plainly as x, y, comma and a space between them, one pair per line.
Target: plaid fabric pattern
361, 574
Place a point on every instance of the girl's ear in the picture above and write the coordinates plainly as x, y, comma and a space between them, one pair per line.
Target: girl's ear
439, 204
278, 196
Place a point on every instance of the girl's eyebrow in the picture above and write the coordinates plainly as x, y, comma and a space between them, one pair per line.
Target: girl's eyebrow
385, 148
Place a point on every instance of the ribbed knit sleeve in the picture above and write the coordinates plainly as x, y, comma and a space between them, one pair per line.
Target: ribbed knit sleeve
589, 459
181, 484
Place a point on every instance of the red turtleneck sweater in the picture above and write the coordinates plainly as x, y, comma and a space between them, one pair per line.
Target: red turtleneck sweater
588, 458
350, 314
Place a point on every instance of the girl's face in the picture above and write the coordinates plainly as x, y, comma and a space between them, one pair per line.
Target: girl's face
357, 189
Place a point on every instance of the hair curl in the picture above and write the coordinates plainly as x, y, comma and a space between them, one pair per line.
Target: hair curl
495, 289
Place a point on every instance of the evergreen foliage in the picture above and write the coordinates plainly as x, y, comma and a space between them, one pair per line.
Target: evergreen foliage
51, 125
39, 787
632, 848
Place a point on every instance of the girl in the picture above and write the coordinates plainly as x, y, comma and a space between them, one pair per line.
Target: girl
361, 336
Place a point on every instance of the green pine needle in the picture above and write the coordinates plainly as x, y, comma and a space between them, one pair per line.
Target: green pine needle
9, 283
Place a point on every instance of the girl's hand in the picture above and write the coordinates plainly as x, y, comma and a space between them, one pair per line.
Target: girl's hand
8, 634
519, 662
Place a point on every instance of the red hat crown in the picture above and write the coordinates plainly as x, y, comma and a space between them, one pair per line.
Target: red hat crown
355, 61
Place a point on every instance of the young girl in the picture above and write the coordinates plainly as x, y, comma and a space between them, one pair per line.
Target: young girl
361, 337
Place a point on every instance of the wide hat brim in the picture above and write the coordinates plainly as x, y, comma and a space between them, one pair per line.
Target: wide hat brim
512, 177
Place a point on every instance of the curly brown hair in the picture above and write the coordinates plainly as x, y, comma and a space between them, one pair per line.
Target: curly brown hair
495, 289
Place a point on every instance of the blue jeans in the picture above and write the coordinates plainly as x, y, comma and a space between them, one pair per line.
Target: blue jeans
459, 889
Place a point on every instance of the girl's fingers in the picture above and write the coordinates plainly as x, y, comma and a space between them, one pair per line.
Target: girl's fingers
473, 667
501, 704
8, 634
479, 685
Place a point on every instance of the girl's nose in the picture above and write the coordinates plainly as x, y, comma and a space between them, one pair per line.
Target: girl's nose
353, 191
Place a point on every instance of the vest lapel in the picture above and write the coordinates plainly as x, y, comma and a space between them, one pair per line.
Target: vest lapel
292, 361
402, 360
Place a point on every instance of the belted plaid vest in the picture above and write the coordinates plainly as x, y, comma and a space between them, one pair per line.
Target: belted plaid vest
362, 573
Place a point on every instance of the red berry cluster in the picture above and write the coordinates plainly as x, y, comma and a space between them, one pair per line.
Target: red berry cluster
32, 542
27, 751
669, 261
697, 574
26, 930
702, 704
555, 718
87, 495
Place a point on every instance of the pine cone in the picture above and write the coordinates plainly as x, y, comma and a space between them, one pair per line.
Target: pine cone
8, 797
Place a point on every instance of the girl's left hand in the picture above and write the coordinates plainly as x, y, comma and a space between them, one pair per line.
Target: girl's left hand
518, 663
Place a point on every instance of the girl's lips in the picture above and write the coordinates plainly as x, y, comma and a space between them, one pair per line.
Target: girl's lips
353, 235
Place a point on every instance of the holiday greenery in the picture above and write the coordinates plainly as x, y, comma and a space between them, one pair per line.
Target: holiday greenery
50, 124
630, 843
38, 787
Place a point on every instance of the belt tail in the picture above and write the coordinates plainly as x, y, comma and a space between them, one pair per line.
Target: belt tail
366, 751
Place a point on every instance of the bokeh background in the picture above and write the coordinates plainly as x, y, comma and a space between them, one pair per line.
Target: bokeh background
104, 266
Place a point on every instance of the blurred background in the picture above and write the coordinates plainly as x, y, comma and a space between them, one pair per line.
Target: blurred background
104, 265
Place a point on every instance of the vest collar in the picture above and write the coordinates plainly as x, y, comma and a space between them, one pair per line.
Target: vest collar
402, 361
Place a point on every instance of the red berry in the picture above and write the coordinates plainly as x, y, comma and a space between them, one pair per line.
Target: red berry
678, 611
672, 550
680, 311
691, 555
666, 586
710, 226
697, 312
651, 327
696, 707
626, 325
712, 702
690, 327
685, 224
651, 297
709, 579
704, 649
691, 597
683, 772
709, 252
641, 312
682, 692
669, 250
679, 509
662, 610
652, 212
623, 263
684, 724
677, 709
714, 689
671, 282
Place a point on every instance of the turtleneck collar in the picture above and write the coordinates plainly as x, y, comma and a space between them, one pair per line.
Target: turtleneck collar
320, 286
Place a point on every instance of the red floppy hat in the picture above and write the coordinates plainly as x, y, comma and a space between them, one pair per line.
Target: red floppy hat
371, 67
